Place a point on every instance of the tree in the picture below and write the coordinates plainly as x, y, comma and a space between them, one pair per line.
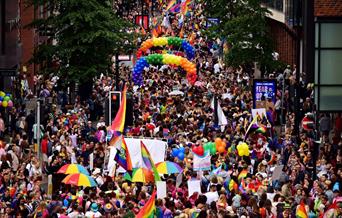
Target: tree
86, 35
242, 23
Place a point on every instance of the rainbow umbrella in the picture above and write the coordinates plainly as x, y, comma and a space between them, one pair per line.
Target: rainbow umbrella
142, 175
168, 167
127, 176
79, 179
72, 169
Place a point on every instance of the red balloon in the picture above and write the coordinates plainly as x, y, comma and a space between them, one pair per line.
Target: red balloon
199, 150
150, 126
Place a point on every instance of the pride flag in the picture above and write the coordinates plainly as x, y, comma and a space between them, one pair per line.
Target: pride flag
232, 185
122, 156
118, 123
301, 211
242, 174
176, 8
262, 129
171, 4
185, 6
149, 208
148, 162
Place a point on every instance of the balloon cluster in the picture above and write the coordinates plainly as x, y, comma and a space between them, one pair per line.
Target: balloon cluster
160, 59
211, 147
199, 150
5, 100
220, 145
179, 153
164, 41
243, 149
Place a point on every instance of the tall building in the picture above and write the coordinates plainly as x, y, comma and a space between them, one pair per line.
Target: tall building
10, 41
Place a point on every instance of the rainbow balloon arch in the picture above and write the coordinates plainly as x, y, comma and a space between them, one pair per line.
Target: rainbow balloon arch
167, 41
165, 59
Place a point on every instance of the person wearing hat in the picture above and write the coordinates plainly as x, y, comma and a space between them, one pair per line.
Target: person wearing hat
94, 211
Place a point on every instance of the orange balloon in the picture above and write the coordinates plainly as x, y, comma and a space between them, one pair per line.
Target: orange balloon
221, 149
218, 142
223, 144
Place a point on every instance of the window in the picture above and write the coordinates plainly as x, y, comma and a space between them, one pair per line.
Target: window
328, 65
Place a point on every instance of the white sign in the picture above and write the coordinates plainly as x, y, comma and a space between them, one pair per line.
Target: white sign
194, 186
161, 189
260, 111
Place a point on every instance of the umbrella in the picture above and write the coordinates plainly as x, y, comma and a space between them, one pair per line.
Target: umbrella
176, 92
168, 167
79, 179
73, 168
142, 175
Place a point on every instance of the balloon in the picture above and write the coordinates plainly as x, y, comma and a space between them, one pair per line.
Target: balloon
199, 150
1, 98
218, 142
243, 149
7, 98
4, 103
207, 146
2, 94
213, 150
221, 149
181, 156
150, 126
175, 152
181, 149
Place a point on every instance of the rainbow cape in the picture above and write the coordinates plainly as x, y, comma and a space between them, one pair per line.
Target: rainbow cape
148, 162
301, 211
122, 156
118, 123
149, 208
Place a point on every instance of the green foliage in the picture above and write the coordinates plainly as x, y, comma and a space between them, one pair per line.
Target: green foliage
243, 26
87, 34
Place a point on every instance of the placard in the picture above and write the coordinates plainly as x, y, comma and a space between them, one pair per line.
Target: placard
262, 90
202, 163
194, 186
161, 189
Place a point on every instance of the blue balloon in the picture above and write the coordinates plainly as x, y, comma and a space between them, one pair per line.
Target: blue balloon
181, 149
181, 156
175, 152
1, 98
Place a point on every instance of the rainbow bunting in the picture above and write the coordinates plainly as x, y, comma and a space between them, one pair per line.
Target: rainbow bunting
242, 174
148, 162
301, 211
122, 156
171, 4
118, 123
149, 208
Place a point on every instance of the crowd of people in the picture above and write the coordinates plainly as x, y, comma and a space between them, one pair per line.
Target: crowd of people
310, 171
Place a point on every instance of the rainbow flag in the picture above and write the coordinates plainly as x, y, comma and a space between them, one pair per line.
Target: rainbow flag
301, 211
242, 174
185, 6
176, 8
122, 156
118, 123
262, 129
149, 208
242, 187
171, 4
148, 162
232, 185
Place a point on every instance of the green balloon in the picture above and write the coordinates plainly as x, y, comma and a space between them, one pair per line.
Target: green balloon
207, 146
7, 98
213, 150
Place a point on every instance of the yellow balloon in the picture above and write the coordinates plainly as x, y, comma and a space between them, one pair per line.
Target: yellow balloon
163, 40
